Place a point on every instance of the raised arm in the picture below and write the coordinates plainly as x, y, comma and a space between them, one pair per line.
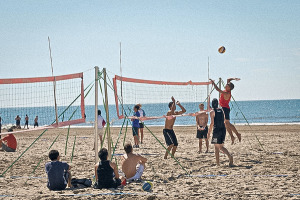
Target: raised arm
173, 105
231, 79
216, 87
182, 109
212, 122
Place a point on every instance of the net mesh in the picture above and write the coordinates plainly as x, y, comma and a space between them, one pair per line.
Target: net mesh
155, 95
35, 97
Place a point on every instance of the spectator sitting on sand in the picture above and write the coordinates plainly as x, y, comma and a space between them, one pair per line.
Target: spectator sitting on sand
9, 142
133, 166
59, 175
106, 172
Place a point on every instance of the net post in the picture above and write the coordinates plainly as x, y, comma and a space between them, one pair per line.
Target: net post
96, 114
207, 89
220, 80
107, 116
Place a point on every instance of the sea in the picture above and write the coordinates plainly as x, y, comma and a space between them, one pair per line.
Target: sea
260, 112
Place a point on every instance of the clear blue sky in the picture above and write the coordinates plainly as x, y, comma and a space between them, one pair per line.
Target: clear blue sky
161, 40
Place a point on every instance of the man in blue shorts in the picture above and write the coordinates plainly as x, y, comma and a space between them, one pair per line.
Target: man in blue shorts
136, 126
168, 131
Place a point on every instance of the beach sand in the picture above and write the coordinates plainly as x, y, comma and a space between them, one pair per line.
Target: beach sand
269, 173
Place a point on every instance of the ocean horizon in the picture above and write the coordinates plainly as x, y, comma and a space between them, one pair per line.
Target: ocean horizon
255, 112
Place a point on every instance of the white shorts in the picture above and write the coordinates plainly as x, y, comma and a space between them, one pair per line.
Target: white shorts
139, 172
100, 131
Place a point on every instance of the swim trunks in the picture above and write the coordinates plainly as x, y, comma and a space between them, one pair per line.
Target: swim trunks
170, 137
202, 133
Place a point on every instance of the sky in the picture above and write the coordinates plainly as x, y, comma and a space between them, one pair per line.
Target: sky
161, 40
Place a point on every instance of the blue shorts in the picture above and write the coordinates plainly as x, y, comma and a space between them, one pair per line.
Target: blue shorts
7, 149
135, 131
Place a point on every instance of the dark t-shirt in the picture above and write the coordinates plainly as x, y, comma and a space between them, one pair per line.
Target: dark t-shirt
55, 171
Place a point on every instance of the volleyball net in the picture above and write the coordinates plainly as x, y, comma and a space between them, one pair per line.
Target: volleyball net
155, 95
33, 99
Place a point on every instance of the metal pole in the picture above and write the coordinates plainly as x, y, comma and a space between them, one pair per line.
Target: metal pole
54, 83
220, 80
96, 114
208, 99
107, 116
121, 79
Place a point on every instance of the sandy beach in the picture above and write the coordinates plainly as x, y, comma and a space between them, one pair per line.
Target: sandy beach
271, 172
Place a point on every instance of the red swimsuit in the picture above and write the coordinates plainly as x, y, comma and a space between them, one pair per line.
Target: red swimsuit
223, 102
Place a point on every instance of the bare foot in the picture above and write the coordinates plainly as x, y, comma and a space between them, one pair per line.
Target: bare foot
239, 136
232, 140
165, 157
218, 164
199, 152
230, 161
206, 151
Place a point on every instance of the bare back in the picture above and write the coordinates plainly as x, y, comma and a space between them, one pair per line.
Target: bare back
129, 164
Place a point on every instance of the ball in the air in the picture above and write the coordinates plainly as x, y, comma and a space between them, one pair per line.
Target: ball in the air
147, 186
222, 49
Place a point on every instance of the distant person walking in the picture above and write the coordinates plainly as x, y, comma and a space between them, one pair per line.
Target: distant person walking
141, 129
26, 121
18, 122
36, 124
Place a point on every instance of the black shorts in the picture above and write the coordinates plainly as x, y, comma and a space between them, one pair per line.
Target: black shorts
218, 136
170, 137
141, 125
26, 122
36, 124
226, 112
202, 134
135, 131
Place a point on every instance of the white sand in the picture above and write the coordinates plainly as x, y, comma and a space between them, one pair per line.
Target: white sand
253, 177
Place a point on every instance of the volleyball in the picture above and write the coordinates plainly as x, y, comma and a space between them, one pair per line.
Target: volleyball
222, 49
147, 186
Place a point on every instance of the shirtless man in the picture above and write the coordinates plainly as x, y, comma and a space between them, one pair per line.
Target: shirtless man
26, 121
168, 131
202, 129
224, 103
36, 124
133, 165
18, 122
